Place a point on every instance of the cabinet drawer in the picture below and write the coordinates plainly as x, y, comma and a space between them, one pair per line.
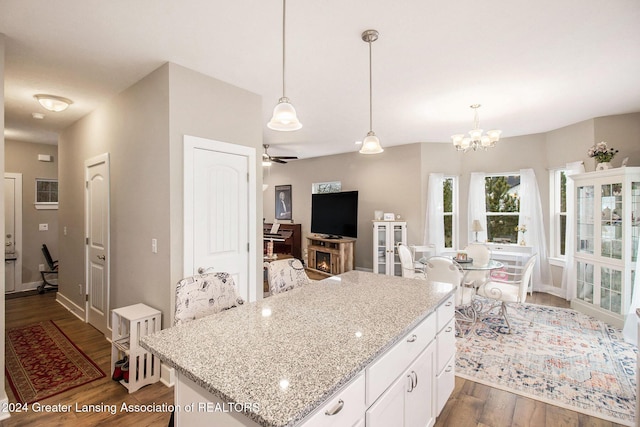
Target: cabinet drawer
391, 364
445, 312
347, 407
445, 382
446, 345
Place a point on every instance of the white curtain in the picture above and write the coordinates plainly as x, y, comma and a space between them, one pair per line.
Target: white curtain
630, 330
477, 208
569, 272
434, 221
531, 216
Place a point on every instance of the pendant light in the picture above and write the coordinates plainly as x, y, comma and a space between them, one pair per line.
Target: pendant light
371, 143
284, 115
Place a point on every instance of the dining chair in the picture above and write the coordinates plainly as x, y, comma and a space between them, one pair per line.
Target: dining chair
445, 269
204, 294
481, 255
407, 262
511, 291
285, 274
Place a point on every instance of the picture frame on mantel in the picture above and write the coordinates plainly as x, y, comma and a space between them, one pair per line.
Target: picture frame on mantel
283, 202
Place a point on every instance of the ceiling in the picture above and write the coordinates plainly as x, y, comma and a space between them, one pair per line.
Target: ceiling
534, 66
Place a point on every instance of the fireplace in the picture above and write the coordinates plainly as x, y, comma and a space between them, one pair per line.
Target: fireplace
323, 261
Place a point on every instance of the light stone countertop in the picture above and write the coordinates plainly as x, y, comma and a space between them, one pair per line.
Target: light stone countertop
317, 337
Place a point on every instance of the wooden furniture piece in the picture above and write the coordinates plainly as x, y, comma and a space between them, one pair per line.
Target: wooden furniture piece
607, 229
129, 325
330, 256
386, 236
288, 240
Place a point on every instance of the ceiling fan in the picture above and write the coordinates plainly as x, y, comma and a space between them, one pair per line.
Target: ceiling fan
278, 159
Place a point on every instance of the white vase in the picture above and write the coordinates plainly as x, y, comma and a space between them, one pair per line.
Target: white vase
603, 166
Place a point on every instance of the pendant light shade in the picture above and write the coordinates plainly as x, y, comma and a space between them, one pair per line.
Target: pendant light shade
371, 143
284, 115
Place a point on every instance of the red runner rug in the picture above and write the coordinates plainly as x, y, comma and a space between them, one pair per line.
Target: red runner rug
41, 361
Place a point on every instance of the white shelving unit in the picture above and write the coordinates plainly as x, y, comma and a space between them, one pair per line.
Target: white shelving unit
607, 229
386, 236
129, 325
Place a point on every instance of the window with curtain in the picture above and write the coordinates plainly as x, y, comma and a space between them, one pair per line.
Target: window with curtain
558, 203
450, 207
502, 207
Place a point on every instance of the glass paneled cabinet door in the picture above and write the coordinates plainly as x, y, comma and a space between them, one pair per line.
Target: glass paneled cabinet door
607, 229
386, 236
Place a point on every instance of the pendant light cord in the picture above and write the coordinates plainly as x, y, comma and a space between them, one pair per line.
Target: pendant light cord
370, 92
284, 13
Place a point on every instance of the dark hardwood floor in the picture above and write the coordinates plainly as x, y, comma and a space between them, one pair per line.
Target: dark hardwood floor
32, 309
471, 404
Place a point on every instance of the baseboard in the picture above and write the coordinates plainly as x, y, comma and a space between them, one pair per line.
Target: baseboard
167, 375
78, 311
558, 292
4, 404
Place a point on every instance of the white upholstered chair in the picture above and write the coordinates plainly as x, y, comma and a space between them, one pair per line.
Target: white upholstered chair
285, 274
408, 265
204, 294
444, 269
511, 291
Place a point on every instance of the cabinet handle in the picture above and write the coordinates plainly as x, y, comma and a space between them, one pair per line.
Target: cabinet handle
101, 257
410, 383
449, 369
335, 409
449, 329
448, 304
413, 338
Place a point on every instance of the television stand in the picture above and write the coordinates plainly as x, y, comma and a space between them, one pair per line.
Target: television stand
330, 255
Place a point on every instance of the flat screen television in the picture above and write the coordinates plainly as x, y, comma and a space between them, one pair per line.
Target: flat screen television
335, 214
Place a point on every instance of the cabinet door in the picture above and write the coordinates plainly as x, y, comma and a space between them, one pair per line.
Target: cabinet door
585, 206
611, 224
380, 249
419, 400
389, 408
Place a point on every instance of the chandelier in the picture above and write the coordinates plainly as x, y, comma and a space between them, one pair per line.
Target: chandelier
476, 140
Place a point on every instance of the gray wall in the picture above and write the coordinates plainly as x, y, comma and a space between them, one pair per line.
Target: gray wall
22, 157
142, 129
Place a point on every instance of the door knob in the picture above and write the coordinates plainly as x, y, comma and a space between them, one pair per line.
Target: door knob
102, 257
202, 270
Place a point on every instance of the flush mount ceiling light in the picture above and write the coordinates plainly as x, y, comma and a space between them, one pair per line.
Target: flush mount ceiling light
371, 143
284, 115
53, 103
476, 140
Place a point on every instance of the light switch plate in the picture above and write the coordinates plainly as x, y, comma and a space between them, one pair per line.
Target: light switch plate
43, 227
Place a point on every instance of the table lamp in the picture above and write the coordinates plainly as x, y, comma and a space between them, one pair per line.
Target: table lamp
476, 227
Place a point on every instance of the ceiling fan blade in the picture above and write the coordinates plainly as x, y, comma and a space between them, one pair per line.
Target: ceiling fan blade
275, 159
285, 157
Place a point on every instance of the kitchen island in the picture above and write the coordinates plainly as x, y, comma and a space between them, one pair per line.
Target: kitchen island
282, 360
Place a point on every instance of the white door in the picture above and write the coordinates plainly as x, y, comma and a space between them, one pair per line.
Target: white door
97, 241
219, 216
13, 230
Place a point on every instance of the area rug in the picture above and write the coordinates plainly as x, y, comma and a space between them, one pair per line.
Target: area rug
554, 355
41, 361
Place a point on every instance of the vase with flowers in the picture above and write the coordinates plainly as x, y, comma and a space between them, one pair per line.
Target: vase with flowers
602, 154
522, 229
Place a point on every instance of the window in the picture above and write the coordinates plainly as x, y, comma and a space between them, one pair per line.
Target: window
503, 207
558, 205
450, 198
46, 193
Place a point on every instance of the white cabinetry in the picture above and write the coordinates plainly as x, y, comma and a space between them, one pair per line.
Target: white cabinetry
386, 236
607, 228
445, 354
129, 324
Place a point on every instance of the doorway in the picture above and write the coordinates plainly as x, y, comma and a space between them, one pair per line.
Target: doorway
97, 228
13, 231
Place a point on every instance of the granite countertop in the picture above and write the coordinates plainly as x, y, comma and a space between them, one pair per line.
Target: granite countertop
316, 338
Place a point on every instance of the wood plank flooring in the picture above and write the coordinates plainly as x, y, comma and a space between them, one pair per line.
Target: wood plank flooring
471, 404
32, 309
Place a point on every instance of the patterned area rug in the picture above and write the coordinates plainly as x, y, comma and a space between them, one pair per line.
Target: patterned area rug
554, 355
40, 361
